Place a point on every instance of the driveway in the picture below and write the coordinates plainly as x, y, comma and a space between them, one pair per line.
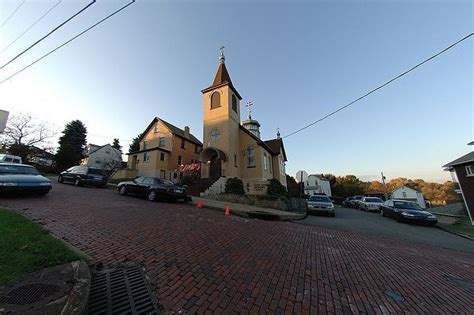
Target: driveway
200, 260
378, 226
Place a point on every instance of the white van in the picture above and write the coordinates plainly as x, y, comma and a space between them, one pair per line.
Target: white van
7, 158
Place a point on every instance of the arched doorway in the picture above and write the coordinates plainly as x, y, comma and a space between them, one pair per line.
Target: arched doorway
213, 157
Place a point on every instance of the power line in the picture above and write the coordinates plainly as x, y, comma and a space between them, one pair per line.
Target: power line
31, 26
51, 32
67, 42
13, 13
381, 86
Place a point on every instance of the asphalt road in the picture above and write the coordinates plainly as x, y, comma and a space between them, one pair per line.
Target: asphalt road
374, 224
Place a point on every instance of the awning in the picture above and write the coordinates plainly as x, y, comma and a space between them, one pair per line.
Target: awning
191, 167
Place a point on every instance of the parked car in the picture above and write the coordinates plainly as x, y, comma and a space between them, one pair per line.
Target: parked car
321, 204
83, 175
355, 202
347, 203
20, 178
370, 204
153, 188
8, 158
407, 211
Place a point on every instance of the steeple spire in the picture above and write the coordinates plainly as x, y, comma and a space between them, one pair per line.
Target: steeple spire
249, 109
221, 55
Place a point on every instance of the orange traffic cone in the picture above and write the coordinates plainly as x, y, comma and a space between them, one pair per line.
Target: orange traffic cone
227, 210
199, 203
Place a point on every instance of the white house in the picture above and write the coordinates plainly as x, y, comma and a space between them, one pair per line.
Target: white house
410, 194
104, 157
317, 184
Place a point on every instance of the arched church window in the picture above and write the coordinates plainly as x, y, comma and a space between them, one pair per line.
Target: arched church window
250, 156
234, 103
215, 100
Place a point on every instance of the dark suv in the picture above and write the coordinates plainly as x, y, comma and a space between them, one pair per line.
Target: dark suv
83, 175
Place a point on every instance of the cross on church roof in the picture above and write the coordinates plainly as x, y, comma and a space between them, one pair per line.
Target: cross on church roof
249, 109
221, 56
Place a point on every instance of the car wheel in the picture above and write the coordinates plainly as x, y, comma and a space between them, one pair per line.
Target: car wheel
152, 195
77, 182
123, 190
60, 179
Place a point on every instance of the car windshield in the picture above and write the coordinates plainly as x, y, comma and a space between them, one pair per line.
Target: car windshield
373, 200
95, 171
319, 198
358, 197
18, 169
407, 205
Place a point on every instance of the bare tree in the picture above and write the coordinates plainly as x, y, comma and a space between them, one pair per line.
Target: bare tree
24, 131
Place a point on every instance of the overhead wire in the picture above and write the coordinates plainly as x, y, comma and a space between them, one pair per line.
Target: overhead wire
13, 13
380, 86
32, 25
51, 32
68, 41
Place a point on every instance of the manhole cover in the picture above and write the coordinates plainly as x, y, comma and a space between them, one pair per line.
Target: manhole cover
29, 293
122, 290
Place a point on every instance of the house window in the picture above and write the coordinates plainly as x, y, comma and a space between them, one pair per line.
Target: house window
196, 148
107, 151
215, 100
270, 164
404, 194
235, 160
155, 130
145, 144
180, 160
175, 175
182, 143
146, 157
161, 141
98, 160
162, 156
250, 156
469, 170
234, 103
265, 166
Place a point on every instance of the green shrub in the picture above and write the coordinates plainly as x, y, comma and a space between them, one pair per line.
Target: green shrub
234, 186
275, 188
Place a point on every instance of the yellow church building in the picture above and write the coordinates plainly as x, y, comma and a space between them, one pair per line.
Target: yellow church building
232, 148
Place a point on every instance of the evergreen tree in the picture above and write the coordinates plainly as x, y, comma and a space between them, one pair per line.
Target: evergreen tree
135, 145
71, 145
116, 144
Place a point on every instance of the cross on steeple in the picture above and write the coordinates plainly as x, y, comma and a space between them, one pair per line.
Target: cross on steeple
221, 56
249, 109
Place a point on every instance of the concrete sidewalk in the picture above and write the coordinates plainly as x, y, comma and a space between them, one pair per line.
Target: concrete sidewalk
249, 211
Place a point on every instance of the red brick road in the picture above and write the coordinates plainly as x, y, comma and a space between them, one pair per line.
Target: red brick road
200, 260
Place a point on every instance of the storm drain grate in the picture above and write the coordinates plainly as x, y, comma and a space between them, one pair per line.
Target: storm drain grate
121, 290
29, 294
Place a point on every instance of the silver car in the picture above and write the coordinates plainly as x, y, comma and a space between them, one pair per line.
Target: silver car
370, 204
321, 204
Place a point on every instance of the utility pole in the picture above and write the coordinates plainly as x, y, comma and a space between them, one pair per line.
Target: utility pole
384, 186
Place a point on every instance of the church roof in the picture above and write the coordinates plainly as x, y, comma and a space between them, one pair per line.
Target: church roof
222, 78
276, 145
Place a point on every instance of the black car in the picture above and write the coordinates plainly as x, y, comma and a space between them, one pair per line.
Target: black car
407, 211
83, 175
347, 203
20, 178
153, 188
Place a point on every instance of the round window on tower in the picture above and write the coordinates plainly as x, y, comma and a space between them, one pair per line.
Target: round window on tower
215, 134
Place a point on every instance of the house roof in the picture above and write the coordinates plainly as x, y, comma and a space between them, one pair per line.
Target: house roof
408, 187
149, 149
276, 145
97, 148
463, 159
174, 130
320, 176
222, 78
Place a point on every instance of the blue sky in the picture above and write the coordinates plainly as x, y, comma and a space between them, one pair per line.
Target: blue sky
295, 60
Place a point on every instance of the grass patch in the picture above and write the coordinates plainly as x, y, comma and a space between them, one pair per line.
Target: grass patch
25, 247
462, 226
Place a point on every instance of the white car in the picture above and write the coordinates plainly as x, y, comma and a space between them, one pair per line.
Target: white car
370, 204
321, 204
7, 158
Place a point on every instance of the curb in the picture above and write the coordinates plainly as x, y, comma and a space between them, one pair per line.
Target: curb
78, 298
455, 233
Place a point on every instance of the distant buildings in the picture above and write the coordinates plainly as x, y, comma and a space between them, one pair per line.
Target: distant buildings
463, 167
104, 157
317, 184
409, 194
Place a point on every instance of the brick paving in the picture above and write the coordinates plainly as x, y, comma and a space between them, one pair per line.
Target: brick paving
201, 261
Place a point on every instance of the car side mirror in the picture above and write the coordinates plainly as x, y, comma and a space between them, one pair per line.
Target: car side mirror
185, 186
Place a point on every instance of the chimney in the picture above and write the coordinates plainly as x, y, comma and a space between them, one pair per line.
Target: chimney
186, 132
